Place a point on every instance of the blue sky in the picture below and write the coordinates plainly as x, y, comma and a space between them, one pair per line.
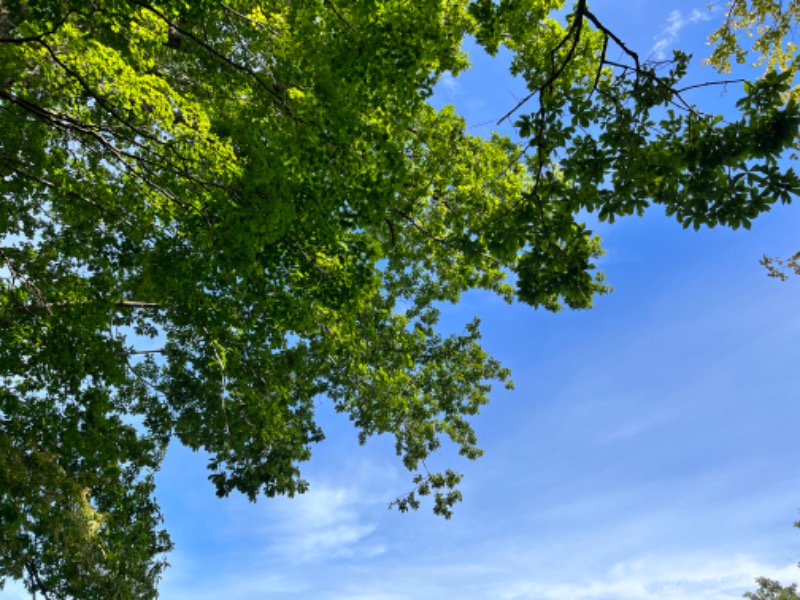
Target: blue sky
650, 449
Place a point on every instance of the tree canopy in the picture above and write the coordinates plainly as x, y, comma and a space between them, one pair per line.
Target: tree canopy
217, 214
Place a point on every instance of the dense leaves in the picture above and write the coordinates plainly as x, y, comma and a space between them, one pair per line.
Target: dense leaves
216, 215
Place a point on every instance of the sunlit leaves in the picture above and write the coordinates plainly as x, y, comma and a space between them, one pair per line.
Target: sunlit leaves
217, 215
769, 24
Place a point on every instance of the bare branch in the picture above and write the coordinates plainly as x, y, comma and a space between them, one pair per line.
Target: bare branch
133, 304
574, 31
610, 34
709, 84
156, 351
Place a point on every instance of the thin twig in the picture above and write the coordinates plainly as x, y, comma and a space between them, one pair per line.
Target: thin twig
574, 31
330, 5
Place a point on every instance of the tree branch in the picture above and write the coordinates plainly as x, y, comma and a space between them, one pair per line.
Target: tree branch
610, 34
574, 30
32, 38
37, 581
330, 5
133, 304
219, 56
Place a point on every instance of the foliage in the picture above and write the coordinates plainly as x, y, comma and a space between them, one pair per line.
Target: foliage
771, 27
769, 589
217, 214
781, 268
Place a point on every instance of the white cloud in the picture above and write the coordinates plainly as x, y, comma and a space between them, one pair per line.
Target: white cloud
334, 519
277, 543
675, 23
656, 578
450, 85
324, 523
511, 576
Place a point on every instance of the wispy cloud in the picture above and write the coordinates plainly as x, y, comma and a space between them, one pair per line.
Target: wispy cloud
335, 519
277, 543
671, 33
325, 523
715, 579
509, 578
450, 85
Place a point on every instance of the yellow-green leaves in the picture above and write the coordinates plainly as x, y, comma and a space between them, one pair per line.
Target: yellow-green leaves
216, 215
769, 24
